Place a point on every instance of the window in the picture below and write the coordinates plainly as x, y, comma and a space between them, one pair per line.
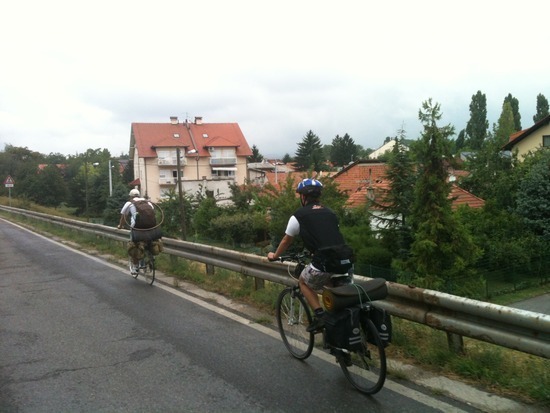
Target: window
546, 141
223, 174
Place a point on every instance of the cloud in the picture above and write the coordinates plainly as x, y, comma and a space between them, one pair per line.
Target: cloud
75, 76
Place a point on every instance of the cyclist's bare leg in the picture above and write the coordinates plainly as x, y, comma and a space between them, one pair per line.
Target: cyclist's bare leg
311, 296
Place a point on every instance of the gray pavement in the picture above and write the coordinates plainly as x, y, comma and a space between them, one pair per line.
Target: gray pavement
540, 304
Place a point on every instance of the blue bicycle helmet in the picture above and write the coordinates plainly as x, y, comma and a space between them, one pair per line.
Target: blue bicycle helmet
310, 186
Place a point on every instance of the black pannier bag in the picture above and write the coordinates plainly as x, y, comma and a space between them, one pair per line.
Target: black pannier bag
382, 321
342, 328
337, 259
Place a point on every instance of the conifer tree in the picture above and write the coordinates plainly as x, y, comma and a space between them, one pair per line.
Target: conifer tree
397, 200
309, 153
343, 150
477, 126
506, 124
542, 108
514, 103
442, 250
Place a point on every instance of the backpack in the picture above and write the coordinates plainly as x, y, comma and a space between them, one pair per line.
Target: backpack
145, 214
342, 328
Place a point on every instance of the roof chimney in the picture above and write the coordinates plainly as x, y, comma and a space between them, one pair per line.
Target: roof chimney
198, 120
174, 120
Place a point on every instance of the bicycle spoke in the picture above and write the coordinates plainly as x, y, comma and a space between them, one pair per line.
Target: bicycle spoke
293, 318
367, 371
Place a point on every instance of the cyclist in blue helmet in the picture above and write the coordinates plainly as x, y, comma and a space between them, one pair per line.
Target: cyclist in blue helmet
318, 227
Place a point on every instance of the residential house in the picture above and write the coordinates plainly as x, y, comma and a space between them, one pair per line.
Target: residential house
366, 179
387, 147
260, 173
211, 155
531, 139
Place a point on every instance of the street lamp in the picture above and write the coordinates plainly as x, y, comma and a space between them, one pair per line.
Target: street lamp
110, 180
195, 152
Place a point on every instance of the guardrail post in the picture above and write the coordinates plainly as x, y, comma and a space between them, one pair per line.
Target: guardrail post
209, 269
259, 284
456, 343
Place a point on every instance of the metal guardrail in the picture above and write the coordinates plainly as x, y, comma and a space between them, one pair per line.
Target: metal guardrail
516, 329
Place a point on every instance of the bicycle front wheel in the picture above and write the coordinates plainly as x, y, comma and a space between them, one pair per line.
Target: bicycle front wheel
366, 367
293, 317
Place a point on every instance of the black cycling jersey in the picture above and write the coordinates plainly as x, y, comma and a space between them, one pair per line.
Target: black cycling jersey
318, 227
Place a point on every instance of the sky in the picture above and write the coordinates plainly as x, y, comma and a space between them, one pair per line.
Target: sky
74, 75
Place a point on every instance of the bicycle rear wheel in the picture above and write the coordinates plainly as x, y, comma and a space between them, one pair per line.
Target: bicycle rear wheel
367, 368
293, 317
149, 267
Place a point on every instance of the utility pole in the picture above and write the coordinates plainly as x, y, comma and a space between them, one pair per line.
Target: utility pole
182, 207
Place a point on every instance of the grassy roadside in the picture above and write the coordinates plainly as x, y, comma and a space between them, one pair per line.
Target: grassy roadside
498, 370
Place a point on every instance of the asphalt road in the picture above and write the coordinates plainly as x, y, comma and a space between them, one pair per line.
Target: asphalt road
540, 304
80, 335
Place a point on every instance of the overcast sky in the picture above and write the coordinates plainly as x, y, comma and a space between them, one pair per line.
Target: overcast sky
74, 75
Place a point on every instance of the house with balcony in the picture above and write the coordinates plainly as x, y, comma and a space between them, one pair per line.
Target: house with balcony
206, 157
531, 139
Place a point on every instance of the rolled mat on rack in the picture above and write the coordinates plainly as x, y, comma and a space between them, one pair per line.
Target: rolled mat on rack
337, 298
146, 234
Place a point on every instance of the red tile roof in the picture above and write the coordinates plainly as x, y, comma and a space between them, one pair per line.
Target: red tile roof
516, 137
188, 136
356, 178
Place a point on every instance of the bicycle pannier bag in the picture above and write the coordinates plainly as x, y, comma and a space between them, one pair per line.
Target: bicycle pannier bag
342, 328
382, 321
136, 250
145, 217
156, 247
337, 259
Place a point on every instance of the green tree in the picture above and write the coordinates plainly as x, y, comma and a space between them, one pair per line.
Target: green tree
279, 203
309, 153
256, 155
206, 211
396, 202
442, 251
493, 176
533, 203
48, 187
477, 126
506, 124
343, 150
542, 108
111, 213
460, 141
173, 213
514, 103
22, 165
243, 196
504, 240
